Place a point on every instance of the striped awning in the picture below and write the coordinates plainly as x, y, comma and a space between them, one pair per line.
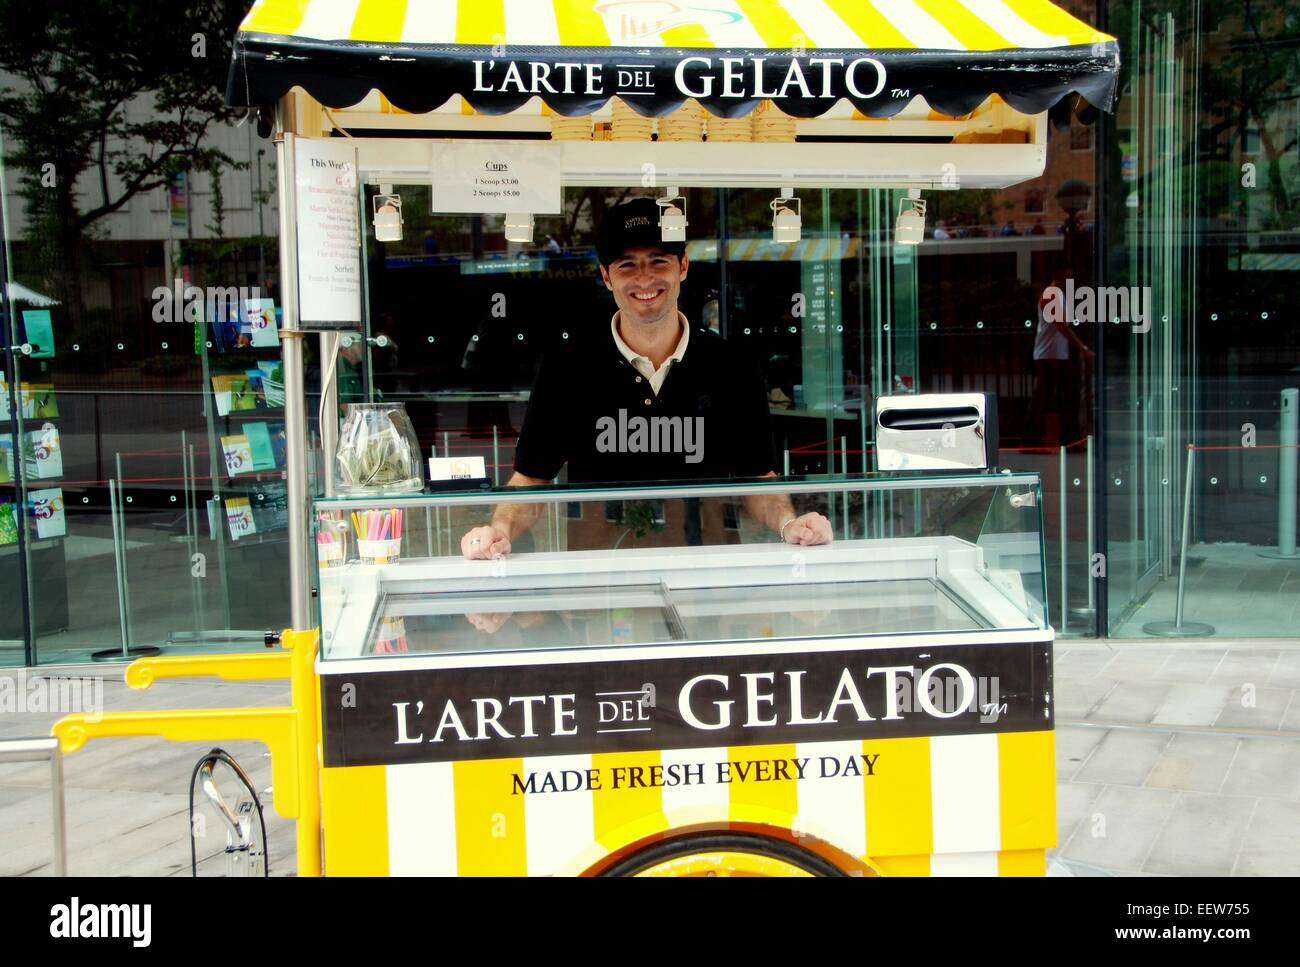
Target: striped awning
803, 55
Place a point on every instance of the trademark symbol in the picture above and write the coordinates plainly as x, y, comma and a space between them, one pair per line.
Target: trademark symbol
901, 92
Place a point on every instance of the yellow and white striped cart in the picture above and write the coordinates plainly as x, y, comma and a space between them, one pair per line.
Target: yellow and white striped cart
632, 703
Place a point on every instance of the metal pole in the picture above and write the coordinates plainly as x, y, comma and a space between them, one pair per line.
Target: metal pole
786, 465
1092, 537
189, 536
496, 457
329, 422
295, 402
844, 472
126, 577
1288, 436
60, 813
1065, 603
194, 509
113, 498
1177, 628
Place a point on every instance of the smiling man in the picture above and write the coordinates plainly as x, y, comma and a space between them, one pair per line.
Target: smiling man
654, 399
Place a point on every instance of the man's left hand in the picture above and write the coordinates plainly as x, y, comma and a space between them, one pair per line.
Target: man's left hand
809, 529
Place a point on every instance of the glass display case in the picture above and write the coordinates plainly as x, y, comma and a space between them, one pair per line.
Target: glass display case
910, 555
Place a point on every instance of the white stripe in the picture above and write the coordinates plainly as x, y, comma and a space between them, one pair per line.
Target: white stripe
328, 19
421, 819
531, 24
559, 825
964, 793
430, 22
738, 34
917, 25
697, 802
1011, 25
964, 864
823, 26
833, 808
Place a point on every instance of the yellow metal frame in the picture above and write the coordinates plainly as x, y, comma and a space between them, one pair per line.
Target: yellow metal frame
292, 733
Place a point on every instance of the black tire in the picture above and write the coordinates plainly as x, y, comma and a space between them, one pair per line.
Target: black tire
680, 846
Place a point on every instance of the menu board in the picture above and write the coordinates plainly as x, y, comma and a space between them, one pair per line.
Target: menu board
495, 176
329, 239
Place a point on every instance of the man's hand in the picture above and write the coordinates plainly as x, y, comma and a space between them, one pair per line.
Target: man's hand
808, 529
487, 544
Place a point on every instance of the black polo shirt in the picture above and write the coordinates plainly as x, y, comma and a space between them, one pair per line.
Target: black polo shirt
591, 409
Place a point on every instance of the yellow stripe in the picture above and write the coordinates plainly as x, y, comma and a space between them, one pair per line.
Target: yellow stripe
871, 26
490, 834
1027, 789
774, 24
1051, 19
354, 813
379, 21
1022, 862
276, 16
481, 22
631, 809
970, 31
580, 25
687, 35
898, 798
761, 796
916, 865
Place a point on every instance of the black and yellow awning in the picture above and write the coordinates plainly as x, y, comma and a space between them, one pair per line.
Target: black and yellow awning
803, 55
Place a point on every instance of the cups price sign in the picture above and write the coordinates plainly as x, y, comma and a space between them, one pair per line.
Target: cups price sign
496, 176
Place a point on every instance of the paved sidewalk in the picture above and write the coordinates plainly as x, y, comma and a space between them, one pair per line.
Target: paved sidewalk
1173, 758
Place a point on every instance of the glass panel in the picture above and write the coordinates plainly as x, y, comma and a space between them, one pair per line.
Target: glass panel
668, 567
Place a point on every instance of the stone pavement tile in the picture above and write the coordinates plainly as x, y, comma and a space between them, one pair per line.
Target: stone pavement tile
1132, 701
1074, 744
100, 822
1286, 673
1247, 665
1075, 698
1086, 658
1202, 837
1190, 665
1124, 823
1266, 713
1264, 767
1291, 719
1124, 758
1074, 802
1188, 704
1137, 663
1272, 843
1194, 763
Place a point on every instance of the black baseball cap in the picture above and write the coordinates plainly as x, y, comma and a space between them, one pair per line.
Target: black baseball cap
633, 224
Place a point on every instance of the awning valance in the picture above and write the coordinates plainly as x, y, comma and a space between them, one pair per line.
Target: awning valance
803, 55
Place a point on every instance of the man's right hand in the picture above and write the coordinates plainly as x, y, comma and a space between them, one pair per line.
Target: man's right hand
485, 544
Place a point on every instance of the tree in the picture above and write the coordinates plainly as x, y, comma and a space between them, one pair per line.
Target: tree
79, 66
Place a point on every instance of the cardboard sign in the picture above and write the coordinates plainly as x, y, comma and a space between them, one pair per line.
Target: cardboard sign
497, 176
329, 234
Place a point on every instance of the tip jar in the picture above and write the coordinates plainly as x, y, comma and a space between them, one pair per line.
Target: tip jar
378, 451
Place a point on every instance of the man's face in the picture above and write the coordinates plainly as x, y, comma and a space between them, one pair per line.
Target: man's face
645, 283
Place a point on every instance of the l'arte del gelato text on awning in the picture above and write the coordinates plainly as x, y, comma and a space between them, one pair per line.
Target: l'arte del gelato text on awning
729, 55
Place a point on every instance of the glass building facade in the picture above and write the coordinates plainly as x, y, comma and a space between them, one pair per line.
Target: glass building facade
142, 501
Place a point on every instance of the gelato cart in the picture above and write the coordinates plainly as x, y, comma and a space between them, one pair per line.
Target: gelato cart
651, 683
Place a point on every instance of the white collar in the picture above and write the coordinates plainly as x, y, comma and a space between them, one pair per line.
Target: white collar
632, 355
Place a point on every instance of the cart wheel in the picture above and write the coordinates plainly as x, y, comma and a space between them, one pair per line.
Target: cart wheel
724, 854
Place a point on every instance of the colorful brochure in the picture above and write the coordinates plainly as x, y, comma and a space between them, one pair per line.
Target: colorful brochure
6, 458
233, 393
259, 445
238, 454
239, 518
38, 401
46, 509
42, 453
8, 523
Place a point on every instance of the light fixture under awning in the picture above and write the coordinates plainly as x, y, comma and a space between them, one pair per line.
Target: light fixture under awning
803, 55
